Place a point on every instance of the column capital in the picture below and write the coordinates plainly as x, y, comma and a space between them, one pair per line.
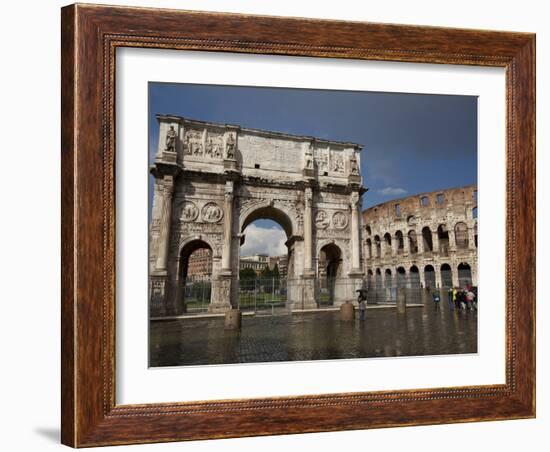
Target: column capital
355, 199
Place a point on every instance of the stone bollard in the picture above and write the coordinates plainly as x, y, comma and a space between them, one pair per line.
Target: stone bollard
347, 312
401, 301
233, 319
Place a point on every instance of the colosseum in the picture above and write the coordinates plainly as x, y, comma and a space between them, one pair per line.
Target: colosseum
427, 240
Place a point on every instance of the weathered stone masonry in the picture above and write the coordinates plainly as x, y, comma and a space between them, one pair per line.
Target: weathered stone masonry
429, 238
212, 180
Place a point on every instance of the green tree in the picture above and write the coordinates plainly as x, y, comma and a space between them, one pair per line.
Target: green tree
247, 273
276, 276
266, 273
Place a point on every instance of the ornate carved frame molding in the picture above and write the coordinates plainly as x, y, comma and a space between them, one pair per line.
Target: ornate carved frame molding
90, 37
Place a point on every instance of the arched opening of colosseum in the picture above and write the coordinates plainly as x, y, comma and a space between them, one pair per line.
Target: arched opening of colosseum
475, 234
401, 276
464, 274
377, 246
446, 276
369, 248
369, 279
429, 276
413, 242
387, 244
194, 283
271, 290
388, 279
400, 243
443, 238
461, 235
368, 230
414, 277
427, 239
378, 278
330, 272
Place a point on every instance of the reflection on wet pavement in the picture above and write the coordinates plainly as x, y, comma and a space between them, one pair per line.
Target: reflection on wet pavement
314, 336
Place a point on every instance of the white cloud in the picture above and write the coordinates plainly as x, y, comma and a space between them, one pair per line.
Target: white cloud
392, 191
270, 241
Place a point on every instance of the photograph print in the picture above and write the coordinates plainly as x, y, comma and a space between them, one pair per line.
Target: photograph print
302, 224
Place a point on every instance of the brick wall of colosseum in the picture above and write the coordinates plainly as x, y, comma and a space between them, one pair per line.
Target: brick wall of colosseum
428, 239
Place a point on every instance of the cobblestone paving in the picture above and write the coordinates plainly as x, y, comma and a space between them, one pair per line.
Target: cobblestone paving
314, 336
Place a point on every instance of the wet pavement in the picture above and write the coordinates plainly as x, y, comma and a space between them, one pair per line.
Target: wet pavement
314, 336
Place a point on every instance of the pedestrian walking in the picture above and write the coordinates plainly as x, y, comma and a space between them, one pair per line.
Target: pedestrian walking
474, 290
362, 309
461, 299
470, 299
450, 299
437, 299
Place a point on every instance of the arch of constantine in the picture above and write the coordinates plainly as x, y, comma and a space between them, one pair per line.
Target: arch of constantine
212, 180
427, 240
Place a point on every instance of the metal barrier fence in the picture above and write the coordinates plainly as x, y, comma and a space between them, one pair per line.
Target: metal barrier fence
263, 294
194, 295
280, 295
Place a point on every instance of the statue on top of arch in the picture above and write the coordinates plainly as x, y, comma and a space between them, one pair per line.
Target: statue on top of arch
230, 147
171, 136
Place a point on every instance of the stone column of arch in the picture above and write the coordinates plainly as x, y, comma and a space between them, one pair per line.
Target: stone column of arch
308, 275
407, 277
394, 245
437, 271
227, 227
420, 241
435, 241
225, 285
454, 275
422, 277
355, 239
406, 244
308, 231
452, 238
382, 247
165, 218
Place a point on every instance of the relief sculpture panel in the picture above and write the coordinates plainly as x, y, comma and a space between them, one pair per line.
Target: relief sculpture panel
189, 211
214, 146
339, 220
193, 143
212, 213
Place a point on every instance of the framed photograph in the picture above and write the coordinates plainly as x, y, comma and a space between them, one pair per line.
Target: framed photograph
282, 225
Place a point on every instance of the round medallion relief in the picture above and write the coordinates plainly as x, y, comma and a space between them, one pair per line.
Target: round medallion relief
321, 219
211, 212
189, 211
339, 220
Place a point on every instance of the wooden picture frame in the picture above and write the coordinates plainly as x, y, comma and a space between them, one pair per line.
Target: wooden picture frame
90, 36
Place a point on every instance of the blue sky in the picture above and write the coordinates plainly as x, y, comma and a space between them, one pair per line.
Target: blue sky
412, 142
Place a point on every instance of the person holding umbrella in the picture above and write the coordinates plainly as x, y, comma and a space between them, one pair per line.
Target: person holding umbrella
362, 305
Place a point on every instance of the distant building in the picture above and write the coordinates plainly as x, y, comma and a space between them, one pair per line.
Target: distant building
256, 262
200, 263
428, 240
281, 262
